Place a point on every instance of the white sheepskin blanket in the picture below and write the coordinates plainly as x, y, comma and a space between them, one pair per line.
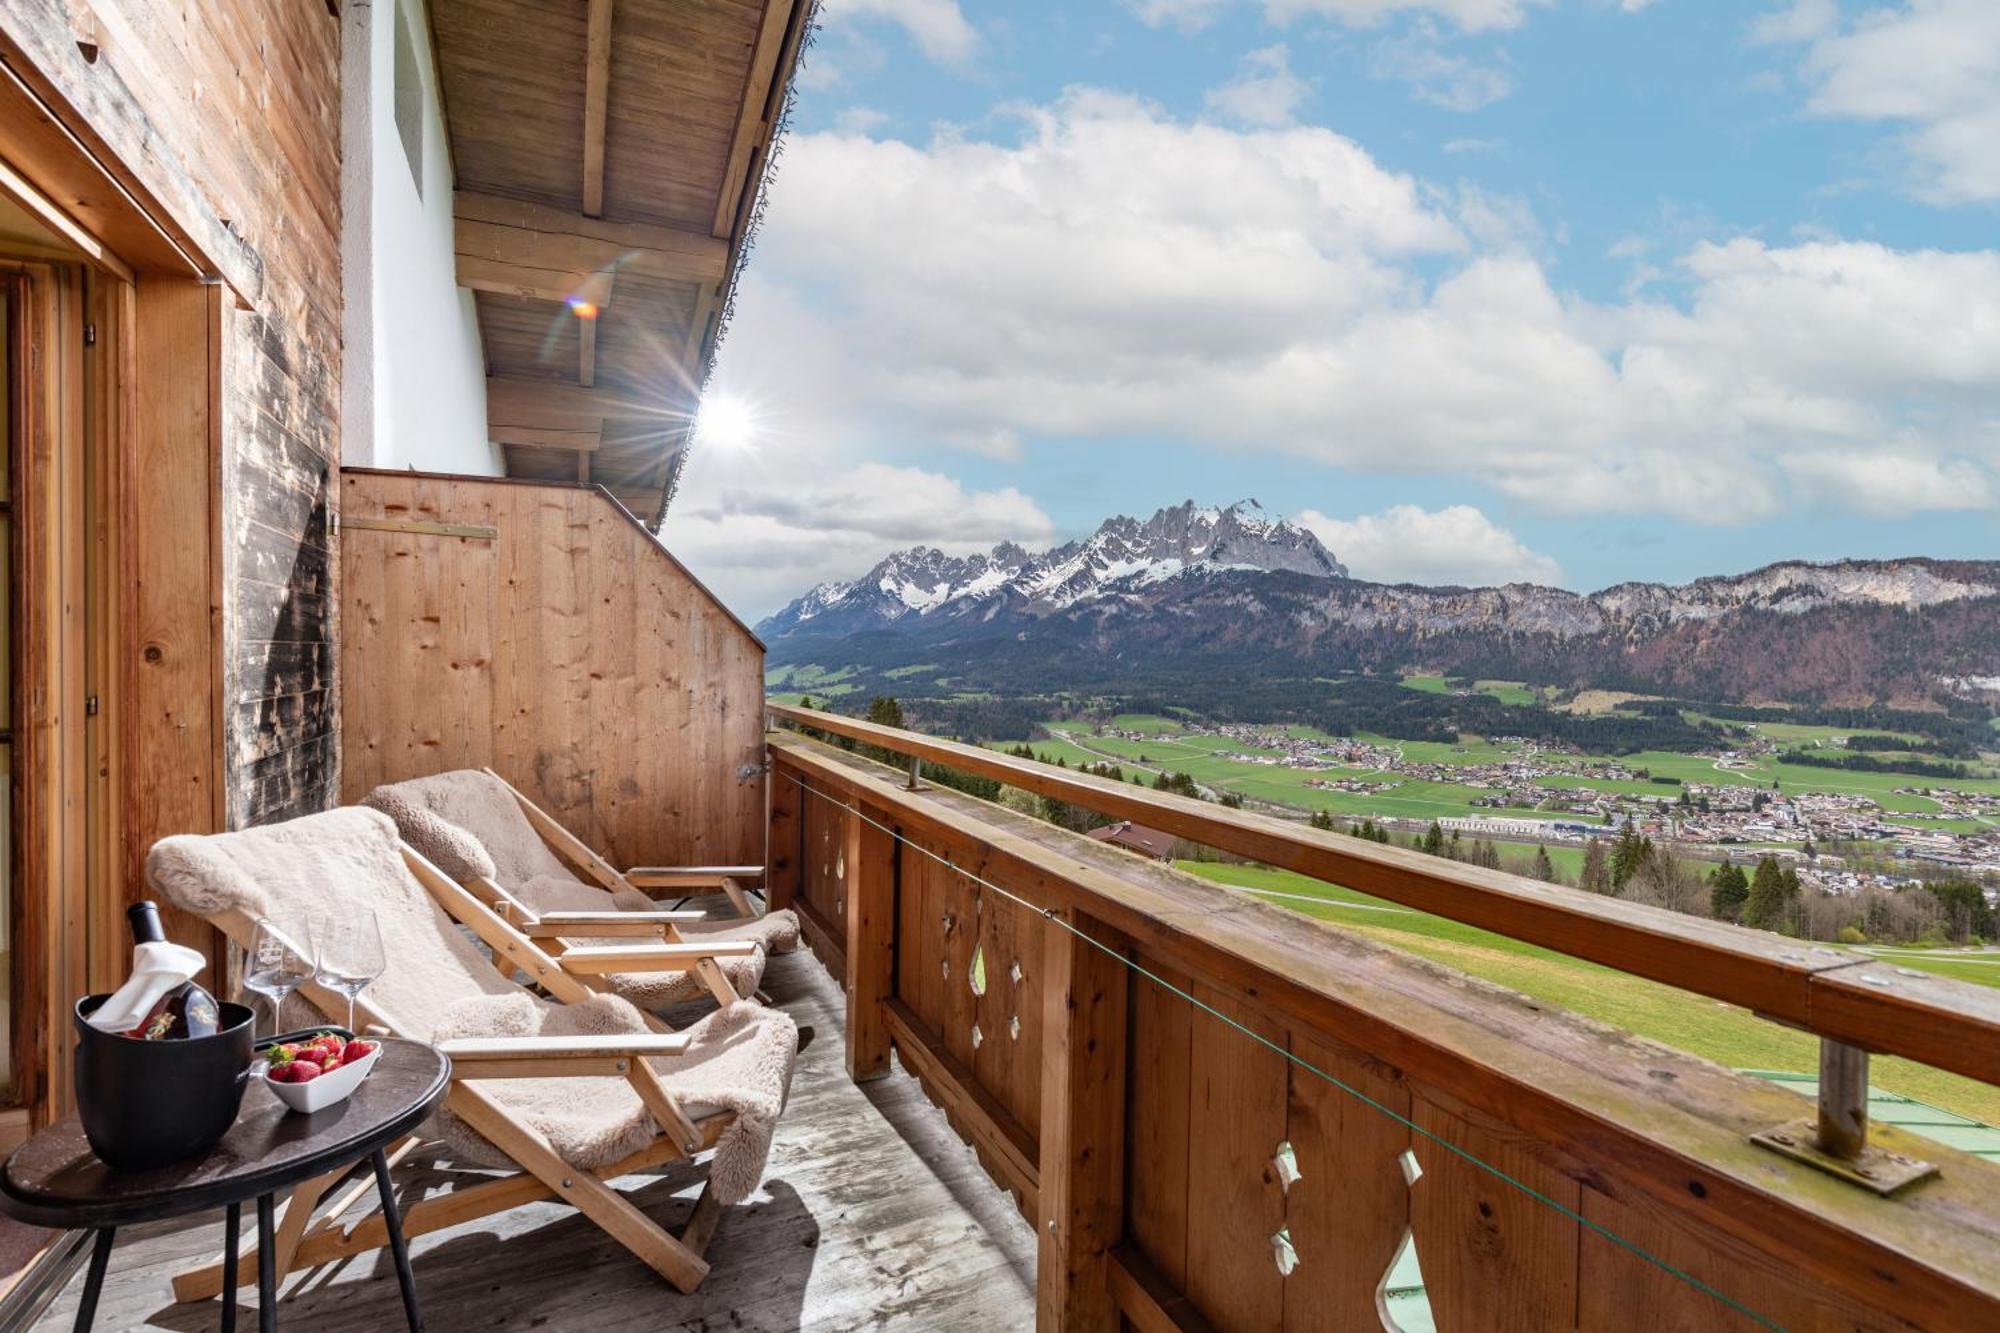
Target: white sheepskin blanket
437, 983
739, 1059
469, 824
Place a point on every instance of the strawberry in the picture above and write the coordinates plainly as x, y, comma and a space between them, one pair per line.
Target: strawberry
294, 1071
357, 1050
327, 1041
281, 1053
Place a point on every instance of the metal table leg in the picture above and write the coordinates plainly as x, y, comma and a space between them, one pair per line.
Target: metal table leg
231, 1226
397, 1247
267, 1267
93, 1282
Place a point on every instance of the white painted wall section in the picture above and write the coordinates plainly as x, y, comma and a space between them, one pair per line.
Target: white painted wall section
413, 391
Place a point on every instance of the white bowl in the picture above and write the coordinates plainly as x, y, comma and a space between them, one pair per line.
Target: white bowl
324, 1091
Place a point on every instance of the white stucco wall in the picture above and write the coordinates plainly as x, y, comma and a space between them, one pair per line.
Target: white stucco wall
413, 390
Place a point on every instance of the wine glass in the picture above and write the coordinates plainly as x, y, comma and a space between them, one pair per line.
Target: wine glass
274, 969
348, 956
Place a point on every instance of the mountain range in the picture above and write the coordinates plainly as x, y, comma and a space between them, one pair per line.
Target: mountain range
1195, 588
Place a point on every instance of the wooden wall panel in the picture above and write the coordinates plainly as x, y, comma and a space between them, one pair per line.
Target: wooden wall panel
823, 878
173, 778
235, 104
1492, 1255
1236, 1120
1349, 1208
1156, 1126
569, 652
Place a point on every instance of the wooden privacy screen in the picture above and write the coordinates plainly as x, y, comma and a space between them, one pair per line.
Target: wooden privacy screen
1149, 1124
537, 629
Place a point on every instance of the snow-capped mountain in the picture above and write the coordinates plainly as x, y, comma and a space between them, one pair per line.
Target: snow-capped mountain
1124, 556
1194, 590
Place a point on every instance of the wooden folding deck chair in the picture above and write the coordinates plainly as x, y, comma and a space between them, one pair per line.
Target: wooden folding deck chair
718, 1085
490, 836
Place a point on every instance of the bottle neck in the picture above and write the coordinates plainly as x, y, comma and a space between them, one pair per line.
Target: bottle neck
144, 918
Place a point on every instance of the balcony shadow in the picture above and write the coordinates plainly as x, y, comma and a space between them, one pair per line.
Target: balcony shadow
561, 1273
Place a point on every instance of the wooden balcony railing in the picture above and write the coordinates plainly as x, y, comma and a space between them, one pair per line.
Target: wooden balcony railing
1181, 1086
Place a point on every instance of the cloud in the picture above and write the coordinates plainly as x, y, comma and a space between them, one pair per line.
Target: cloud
1474, 145
1890, 484
1264, 92
1187, 16
938, 27
1454, 82
1466, 15
1929, 66
757, 544
860, 120
1454, 545
1102, 269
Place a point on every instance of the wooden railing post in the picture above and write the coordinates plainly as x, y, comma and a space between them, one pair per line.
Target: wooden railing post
1082, 1163
870, 856
786, 836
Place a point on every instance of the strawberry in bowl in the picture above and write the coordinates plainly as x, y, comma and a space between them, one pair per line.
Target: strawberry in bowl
319, 1071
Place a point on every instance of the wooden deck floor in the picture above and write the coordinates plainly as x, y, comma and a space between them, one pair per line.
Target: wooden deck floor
872, 1215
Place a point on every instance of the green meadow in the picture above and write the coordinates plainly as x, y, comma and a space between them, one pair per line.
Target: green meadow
1703, 1027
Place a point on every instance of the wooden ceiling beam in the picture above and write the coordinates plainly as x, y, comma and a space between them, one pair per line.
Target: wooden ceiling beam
586, 335
557, 405
536, 236
538, 284
596, 104
753, 122
533, 437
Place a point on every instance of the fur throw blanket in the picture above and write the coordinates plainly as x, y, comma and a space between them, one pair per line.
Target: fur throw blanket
480, 805
342, 862
739, 1059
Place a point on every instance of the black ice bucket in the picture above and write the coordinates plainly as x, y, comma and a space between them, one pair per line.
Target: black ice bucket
148, 1103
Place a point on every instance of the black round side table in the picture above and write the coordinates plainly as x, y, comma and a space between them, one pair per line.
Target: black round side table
54, 1180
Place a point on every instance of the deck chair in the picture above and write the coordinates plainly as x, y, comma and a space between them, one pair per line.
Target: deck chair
521, 865
563, 1093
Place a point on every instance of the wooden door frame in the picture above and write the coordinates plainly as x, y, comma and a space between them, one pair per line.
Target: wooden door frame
49, 885
119, 513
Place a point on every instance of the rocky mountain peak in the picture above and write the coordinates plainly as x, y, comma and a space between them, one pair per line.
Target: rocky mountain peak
1124, 555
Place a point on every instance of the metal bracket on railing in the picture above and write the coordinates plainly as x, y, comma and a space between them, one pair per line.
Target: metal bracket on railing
916, 770
1837, 1141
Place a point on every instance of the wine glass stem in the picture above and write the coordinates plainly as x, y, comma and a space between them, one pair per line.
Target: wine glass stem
350, 1013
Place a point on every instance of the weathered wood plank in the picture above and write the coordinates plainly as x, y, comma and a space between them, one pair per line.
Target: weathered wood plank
872, 855
561, 655
1083, 1155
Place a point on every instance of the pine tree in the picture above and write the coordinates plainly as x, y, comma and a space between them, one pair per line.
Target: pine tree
885, 711
1729, 887
1545, 869
1767, 904
1323, 820
1453, 850
1434, 839
1629, 856
1596, 874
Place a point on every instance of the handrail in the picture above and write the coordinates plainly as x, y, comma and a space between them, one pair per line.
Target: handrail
1829, 992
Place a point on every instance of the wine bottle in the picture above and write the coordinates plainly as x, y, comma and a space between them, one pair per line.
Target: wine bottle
184, 1010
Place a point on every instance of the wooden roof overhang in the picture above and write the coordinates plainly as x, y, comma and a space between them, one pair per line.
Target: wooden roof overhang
608, 156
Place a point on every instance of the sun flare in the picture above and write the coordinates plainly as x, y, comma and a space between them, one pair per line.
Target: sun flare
726, 423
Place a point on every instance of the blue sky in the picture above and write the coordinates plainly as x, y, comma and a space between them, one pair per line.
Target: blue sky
1572, 290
